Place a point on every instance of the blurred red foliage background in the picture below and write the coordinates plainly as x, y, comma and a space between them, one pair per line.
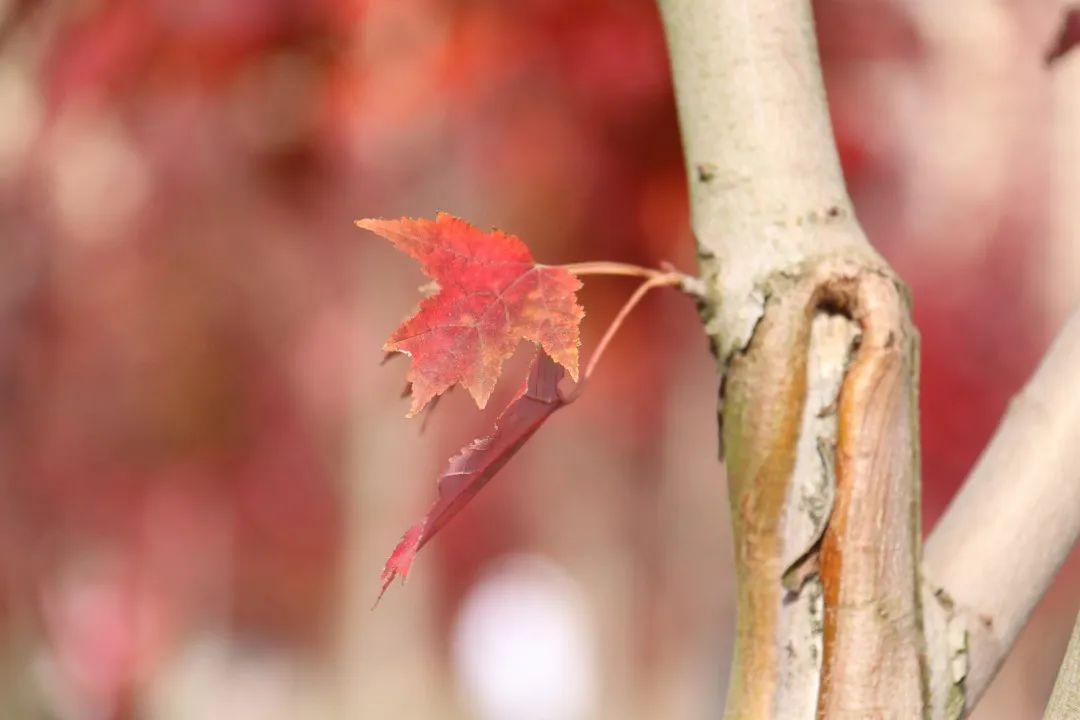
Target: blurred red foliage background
198, 440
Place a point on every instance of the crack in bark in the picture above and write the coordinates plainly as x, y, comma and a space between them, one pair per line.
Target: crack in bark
781, 424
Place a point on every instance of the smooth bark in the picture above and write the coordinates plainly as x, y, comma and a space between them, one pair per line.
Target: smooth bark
1065, 699
821, 460
1011, 526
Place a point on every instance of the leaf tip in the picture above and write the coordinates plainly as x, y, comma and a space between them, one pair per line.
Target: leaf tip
381, 227
567, 357
401, 559
422, 394
573, 364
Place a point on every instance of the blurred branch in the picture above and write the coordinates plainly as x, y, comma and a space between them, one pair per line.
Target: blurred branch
1017, 517
1065, 700
17, 13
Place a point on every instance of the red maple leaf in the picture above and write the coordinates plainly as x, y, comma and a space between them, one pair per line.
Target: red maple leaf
469, 470
491, 295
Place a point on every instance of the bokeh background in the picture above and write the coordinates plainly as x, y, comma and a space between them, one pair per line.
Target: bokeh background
203, 463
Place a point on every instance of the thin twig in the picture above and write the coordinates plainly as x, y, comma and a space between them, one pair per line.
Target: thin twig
659, 279
602, 267
687, 283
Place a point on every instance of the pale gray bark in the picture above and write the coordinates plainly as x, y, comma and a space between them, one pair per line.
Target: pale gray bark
822, 627
1065, 700
1017, 517
779, 247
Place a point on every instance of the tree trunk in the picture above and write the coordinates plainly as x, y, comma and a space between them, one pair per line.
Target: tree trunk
813, 338
818, 411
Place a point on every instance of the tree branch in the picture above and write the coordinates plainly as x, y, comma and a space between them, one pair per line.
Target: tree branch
829, 600
828, 611
1065, 700
765, 182
1017, 517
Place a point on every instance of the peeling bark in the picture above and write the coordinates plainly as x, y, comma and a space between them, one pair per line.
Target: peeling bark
813, 339
827, 595
869, 556
818, 409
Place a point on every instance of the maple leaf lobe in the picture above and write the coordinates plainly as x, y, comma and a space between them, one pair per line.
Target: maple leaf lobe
476, 464
491, 295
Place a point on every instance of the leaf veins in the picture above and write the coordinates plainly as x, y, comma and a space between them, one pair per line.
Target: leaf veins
491, 295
